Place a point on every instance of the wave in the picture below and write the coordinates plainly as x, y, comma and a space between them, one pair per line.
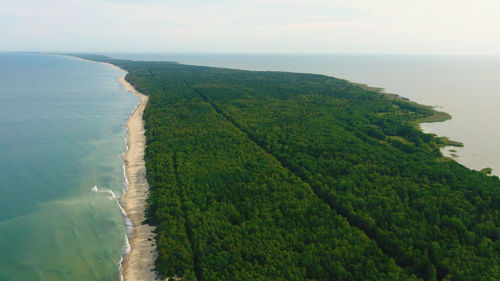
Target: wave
129, 227
128, 223
111, 196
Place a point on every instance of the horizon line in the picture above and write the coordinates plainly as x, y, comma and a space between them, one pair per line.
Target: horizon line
245, 53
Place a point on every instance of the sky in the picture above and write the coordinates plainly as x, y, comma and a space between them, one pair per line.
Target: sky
252, 26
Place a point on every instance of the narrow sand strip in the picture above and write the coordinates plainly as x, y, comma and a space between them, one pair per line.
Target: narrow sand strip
139, 263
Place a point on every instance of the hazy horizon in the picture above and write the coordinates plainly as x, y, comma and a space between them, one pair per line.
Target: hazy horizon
111, 53
251, 27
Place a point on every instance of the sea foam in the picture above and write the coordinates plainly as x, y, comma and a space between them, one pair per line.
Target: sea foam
111, 195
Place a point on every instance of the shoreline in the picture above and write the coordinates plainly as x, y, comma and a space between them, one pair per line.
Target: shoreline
139, 263
139, 252
436, 117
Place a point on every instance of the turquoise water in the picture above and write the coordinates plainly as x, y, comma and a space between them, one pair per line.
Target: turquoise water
467, 87
61, 133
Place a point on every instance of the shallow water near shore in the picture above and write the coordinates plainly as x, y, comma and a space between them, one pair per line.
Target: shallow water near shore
62, 133
465, 86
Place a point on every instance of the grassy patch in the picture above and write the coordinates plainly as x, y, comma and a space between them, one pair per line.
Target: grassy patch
445, 141
486, 171
400, 139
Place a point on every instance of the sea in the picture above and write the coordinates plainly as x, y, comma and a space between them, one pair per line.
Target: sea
465, 86
63, 135
62, 139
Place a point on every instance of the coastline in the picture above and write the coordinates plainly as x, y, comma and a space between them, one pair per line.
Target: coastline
138, 264
139, 251
436, 117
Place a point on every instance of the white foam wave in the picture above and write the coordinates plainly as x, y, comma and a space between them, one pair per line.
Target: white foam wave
129, 227
128, 223
120, 267
108, 191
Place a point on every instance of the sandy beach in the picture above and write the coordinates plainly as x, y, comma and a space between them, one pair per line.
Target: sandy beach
139, 263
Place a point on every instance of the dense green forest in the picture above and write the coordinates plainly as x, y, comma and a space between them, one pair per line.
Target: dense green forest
287, 176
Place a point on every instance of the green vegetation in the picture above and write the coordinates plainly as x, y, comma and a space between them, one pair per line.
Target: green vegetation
445, 141
437, 116
286, 176
486, 171
433, 116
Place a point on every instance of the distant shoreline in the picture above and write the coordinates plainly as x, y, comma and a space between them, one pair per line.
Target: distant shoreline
437, 116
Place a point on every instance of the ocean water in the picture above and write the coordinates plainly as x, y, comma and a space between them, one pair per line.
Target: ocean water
467, 87
62, 134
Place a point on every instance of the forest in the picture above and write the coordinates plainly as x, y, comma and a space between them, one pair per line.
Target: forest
286, 176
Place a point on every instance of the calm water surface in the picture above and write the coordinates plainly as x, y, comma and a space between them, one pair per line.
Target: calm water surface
467, 87
61, 133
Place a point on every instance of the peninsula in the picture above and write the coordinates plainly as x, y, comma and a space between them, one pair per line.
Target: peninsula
289, 176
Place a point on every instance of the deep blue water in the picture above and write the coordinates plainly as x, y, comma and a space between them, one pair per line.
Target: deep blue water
61, 133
